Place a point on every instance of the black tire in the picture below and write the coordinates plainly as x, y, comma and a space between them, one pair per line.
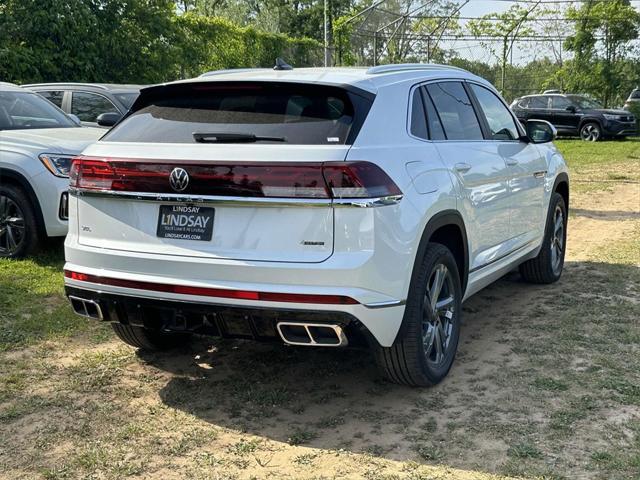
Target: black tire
591, 132
18, 238
410, 360
547, 266
150, 340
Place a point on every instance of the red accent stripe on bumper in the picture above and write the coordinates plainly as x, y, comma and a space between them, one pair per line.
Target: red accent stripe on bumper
213, 292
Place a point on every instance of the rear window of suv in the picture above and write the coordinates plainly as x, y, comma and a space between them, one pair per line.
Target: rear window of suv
244, 111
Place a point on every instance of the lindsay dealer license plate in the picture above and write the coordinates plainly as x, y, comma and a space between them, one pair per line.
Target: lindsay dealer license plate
185, 222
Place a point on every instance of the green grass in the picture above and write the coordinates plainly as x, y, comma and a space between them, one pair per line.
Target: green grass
587, 154
597, 166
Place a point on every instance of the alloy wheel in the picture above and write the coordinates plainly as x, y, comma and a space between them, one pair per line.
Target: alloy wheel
438, 312
557, 240
590, 133
12, 226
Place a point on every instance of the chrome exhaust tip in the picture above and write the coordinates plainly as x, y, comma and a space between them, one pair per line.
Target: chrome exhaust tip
312, 334
86, 308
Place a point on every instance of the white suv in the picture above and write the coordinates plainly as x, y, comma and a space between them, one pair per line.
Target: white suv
37, 143
319, 207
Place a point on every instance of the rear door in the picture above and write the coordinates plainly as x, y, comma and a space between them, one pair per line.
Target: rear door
218, 170
480, 170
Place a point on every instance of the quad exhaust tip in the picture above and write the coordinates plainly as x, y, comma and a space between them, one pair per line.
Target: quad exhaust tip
86, 308
312, 334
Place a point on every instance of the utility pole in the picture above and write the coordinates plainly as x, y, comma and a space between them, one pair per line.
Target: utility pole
326, 36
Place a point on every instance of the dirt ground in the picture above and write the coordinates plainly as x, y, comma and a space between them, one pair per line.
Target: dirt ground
546, 384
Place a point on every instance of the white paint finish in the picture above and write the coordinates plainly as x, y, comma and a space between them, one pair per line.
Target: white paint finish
243, 233
526, 190
483, 196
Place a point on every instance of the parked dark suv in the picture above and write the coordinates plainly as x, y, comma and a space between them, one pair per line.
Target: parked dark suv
95, 104
575, 115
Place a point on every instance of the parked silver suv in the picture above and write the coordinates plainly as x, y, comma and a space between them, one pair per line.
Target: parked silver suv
37, 142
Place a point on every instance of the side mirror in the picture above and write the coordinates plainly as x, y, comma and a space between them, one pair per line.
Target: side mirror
571, 109
74, 118
540, 131
108, 119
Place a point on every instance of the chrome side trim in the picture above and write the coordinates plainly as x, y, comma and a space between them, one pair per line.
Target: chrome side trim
239, 201
367, 202
391, 303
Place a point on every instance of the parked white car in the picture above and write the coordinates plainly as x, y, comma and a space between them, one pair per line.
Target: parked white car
37, 142
318, 207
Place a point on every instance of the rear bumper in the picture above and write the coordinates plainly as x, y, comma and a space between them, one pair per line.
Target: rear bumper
199, 283
214, 319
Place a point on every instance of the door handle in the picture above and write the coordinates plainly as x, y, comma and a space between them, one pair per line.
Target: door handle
511, 162
462, 167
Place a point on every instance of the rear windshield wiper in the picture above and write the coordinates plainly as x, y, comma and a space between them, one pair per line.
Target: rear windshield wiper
234, 138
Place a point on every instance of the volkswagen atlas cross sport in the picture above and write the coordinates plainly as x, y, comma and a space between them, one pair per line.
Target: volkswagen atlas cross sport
318, 207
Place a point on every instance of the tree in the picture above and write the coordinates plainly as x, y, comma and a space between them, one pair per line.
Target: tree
507, 27
601, 45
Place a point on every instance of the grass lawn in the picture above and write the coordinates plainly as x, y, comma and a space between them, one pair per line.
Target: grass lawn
546, 384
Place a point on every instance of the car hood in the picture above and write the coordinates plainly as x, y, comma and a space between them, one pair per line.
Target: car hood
49, 140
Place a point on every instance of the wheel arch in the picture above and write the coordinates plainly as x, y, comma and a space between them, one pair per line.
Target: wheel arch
11, 177
447, 228
586, 120
561, 186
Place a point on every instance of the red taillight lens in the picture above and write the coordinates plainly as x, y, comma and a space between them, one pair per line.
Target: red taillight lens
214, 292
272, 180
358, 180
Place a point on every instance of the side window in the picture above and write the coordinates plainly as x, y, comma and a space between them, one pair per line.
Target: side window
498, 117
435, 127
455, 111
540, 103
54, 97
418, 118
559, 103
523, 102
87, 106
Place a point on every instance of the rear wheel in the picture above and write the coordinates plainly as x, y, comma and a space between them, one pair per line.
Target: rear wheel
591, 132
151, 340
547, 266
18, 228
426, 345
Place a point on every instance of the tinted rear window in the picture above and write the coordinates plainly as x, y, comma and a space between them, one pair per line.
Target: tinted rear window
295, 113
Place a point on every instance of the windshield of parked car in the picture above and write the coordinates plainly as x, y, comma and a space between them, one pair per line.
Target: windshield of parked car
25, 110
126, 99
584, 102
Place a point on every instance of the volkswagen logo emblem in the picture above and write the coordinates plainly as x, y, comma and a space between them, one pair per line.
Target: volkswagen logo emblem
179, 179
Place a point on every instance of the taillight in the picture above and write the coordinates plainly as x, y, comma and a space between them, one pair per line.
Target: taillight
358, 180
271, 180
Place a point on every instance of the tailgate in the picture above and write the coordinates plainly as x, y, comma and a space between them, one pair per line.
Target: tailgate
155, 219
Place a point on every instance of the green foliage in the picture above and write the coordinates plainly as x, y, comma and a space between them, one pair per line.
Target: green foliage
601, 48
234, 46
137, 41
